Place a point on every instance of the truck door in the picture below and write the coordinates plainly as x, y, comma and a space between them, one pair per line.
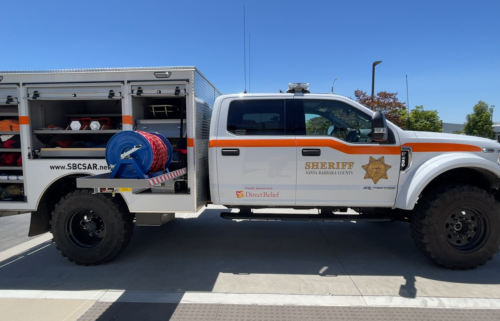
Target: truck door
256, 153
337, 163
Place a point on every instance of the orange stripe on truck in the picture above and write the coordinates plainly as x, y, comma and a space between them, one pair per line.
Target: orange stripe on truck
127, 120
190, 142
358, 149
24, 120
441, 147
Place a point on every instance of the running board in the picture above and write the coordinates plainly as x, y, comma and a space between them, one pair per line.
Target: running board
304, 217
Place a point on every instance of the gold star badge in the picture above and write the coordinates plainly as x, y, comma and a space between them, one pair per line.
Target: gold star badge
376, 169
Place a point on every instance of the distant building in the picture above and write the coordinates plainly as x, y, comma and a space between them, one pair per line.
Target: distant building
450, 127
496, 130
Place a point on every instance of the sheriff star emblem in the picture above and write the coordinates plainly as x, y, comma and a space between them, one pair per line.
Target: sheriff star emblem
376, 169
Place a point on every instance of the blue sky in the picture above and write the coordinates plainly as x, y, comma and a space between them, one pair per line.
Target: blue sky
450, 50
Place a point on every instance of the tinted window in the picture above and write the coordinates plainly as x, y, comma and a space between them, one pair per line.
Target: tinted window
256, 117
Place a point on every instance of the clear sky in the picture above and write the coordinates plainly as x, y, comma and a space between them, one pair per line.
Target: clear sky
450, 50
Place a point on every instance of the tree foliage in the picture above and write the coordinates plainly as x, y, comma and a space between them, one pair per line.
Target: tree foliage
479, 123
423, 120
317, 126
385, 102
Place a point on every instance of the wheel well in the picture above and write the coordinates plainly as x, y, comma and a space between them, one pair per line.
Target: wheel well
472, 176
40, 219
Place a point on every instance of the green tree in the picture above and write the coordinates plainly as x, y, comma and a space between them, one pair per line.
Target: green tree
386, 102
423, 120
317, 126
479, 123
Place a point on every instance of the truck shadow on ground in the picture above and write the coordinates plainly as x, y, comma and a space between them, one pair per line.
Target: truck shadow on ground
215, 255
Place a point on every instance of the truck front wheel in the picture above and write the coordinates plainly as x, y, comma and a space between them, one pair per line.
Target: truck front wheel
457, 226
91, 229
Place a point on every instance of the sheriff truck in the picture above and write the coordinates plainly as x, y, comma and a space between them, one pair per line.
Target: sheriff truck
72, 137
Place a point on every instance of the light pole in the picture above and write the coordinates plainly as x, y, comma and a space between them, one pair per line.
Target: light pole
495, 134
373, 78
333, 84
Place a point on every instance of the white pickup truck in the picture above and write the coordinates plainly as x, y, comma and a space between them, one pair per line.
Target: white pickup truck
302, 150
248, 151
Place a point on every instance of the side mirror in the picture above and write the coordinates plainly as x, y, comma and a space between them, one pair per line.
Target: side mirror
330, 130
379, 127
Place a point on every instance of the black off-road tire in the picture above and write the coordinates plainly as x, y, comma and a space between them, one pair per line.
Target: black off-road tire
91, 229
457, 226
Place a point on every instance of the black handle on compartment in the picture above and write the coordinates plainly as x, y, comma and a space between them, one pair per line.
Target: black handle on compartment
230, 152
311, 152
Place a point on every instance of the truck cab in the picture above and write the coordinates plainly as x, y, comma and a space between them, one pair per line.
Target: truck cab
301, 150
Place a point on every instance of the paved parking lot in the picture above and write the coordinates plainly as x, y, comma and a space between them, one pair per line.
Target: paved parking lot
211, 264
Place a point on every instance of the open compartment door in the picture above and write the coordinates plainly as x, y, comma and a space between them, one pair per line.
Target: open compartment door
158, 89
8, 96
75, 91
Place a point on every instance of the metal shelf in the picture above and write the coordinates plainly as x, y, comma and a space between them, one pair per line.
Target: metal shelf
94, 115
11, 168
9, 133
73, 152
74, 132
6, 150
12, 181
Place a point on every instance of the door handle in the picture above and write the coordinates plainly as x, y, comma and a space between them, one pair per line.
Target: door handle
230, 152
311, 152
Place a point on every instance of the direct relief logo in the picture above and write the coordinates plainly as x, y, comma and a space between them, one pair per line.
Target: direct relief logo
240, 194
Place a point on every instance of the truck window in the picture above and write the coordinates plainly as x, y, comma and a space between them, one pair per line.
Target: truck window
336, 119
256, 117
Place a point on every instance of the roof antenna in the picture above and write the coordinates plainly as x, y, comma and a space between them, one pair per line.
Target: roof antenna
249, 69
244, 49
408, 102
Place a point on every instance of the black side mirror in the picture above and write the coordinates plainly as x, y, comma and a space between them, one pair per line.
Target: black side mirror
379, 127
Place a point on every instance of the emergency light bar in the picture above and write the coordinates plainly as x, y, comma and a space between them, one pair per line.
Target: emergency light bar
301, 87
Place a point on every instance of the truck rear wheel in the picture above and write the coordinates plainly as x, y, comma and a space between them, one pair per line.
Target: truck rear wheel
91, 229
457, 226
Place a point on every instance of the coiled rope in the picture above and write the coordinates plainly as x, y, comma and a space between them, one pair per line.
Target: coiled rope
160, 152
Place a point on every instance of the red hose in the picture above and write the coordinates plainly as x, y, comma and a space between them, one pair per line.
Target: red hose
160, 152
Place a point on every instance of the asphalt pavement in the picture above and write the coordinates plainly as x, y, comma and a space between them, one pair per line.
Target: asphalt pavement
201, 267
14, 230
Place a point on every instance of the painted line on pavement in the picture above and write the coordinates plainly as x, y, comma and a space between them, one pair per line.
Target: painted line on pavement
26, 246
255, 299
47, 294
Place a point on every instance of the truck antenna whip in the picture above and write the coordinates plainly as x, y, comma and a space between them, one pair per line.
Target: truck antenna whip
408, 102
244, 49
249, 69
